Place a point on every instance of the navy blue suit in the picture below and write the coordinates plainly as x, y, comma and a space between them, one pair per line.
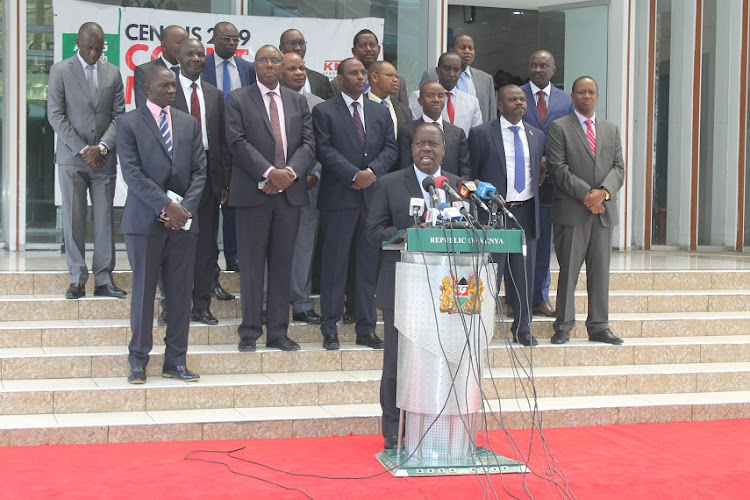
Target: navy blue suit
343, 210
488, 163
559, 104
245, 69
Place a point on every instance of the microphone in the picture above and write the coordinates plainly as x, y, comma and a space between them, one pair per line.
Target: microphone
428, 184
443, 182
468, 189
416, 209
488, 191
449, 212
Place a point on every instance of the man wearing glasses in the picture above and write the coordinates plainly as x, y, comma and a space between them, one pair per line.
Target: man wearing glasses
384, 87
584, 156
293, 40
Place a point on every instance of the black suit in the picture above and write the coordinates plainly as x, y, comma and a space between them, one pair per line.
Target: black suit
389, 214
488, 161
320, 85
149, 173
139, 78
218, 172
268, 222
343, 210
456, 159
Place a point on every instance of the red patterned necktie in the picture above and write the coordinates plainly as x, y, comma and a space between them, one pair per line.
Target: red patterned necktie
449, 106
195, 106
591, 136
358, 122
541, 106
279, 161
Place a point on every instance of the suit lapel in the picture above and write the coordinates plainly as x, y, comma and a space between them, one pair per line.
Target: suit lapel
261, 105
180, 101
412, 186
496, 132
347, 118
151, 124
531, 103
578, 128
286, 101
78, 74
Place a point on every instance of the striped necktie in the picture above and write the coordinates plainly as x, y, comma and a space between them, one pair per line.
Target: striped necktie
358, 122
591, 135
164, 129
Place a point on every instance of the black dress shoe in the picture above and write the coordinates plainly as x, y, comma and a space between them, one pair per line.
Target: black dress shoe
246, 345
233, 266
162, 319
204, 316
349, 318
284, 343
218, 292
525, 338
75, 291
560, 337
331, 342
109, 290
370, 340
310, 317
390, 442
137, 375
605, 336
180, 373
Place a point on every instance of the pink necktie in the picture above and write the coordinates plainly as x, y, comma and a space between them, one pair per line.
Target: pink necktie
591, 136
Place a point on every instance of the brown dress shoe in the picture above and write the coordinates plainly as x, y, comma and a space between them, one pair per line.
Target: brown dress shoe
544, 308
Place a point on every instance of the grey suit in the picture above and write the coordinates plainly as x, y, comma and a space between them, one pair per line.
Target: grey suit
466, 110
485, 91
149, 173
80, 119
580, 235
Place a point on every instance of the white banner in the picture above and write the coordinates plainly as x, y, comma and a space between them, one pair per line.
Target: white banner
133, 37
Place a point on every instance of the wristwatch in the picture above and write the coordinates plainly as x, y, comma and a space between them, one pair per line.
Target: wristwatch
607, 196
103, 149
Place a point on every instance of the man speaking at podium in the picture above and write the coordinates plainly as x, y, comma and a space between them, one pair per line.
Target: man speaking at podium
389, 214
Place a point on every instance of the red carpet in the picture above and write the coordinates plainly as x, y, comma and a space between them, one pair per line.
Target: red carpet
644, 461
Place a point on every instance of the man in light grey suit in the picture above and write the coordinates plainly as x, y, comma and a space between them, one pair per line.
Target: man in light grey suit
461, 109
584, 157
164, 164
472, 81
85, 96
294, 76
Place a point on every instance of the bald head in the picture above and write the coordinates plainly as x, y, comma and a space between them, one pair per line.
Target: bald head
171, 38
90, 41
541, 68
293, 71
293, 40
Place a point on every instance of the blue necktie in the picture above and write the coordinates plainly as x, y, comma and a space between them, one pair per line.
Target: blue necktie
164, 129
226, 84
463, 82
520, 161
176, 71
385, 104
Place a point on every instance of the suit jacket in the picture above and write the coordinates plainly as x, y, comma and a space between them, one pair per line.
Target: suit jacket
252, 145
312, 101
402, 96
320, 85
466, 110
342, 154
139, 78
78, 118
456, 160
149, 172
484, 86
575, 170
388, 215
403, 113
219, 159
245, 69
488, 161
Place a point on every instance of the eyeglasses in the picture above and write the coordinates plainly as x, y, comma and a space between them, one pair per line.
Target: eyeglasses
228, 38
295, 43
586, 92
391, 76
265, 60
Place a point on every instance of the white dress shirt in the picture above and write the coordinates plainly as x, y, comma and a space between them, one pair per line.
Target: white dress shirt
360, 109
510, 161
187, 90
421, 176
389, 106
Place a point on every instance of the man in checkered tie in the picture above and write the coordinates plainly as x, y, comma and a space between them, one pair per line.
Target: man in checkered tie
584, 156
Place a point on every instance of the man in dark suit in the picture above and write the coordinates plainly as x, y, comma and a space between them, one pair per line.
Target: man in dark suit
293, 40
546, 103
205, 102
171, 38
472, 81
227, 72
383, 79
366, 49
507, 152
585, 161
269, 130
389, 215
84, 99
163, 162
456, 158
355, 145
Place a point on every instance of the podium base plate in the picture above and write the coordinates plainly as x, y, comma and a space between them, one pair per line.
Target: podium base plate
482, 461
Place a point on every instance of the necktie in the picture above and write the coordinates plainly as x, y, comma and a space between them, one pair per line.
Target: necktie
463, 82
591, 136
358, 122
279, 161
176, 71
226, 83
520, 162
195, 106
92, 82
384, 103
449, 106
164, 129
541, 106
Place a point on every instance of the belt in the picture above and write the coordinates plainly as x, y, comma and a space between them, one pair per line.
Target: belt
516, 204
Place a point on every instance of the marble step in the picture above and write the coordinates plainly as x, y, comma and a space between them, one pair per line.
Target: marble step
111, 361
56, 282
313, 388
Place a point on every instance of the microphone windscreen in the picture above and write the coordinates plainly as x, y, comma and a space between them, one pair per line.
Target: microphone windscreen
427, 183
439, 180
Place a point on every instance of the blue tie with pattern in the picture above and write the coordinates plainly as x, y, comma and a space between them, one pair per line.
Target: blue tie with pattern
463, 82
164, 129
520, 161
226, 84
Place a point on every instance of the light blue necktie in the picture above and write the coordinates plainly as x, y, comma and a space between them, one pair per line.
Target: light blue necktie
164, 129
384, 103
520, 177
226, 84
176, 71
463, 82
